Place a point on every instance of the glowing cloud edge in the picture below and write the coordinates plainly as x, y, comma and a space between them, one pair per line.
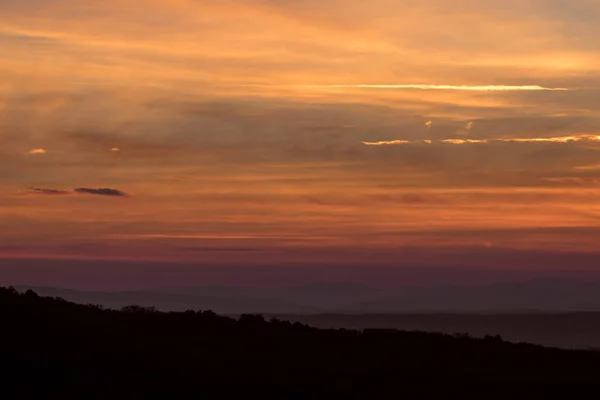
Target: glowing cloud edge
472, 88
558, 139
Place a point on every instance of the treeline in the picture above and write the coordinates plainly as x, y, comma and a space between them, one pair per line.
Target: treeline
51, 348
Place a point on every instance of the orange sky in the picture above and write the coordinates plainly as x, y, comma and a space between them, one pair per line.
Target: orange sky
304, 130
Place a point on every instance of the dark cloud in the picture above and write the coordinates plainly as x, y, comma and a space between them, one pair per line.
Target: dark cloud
101, 192
35, 190
95, 191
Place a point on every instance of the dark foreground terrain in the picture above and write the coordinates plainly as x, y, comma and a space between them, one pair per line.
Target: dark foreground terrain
54, 349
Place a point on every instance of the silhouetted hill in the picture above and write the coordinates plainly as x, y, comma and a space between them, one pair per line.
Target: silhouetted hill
51, 348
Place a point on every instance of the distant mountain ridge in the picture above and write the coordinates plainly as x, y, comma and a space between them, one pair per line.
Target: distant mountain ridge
548, 295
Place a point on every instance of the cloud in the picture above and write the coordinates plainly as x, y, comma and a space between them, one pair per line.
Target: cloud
352, 201
428, 124
593, 167
98, 191
387, 142
38, 151
464, 141
469, 126
44, 191
219, 249
574, 180
560, 139
469, 88
115, 149
101, 192
257, 236
179, 111
556, 139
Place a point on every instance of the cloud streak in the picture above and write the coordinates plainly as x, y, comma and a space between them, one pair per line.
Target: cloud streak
574, 180
469, 88
49, 192
99, 192
388, 142
558, 139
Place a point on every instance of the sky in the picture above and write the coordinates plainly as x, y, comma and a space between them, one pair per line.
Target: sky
278, 132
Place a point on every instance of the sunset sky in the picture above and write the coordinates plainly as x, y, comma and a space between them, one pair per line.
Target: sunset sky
341, 132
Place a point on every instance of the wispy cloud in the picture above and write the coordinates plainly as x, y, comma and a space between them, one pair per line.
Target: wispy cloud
44, 191
54, 192
196, 143
215, 237
220, 249
387, 142
574, 180
464, 141
593, 167
471, 88
558, 139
